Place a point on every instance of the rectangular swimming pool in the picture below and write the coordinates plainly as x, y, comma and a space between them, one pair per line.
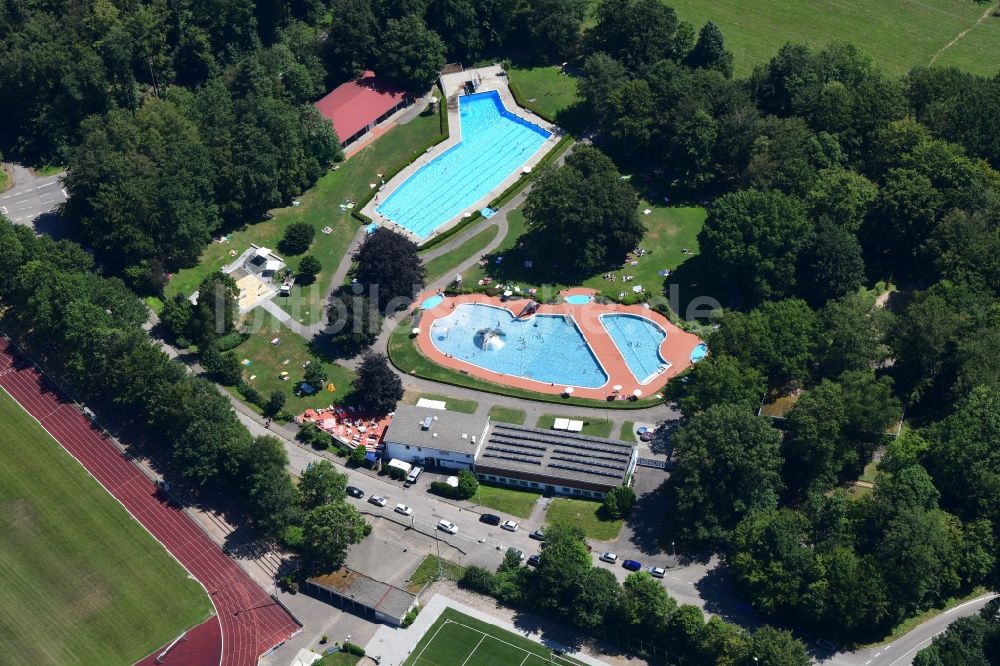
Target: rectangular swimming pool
494, 144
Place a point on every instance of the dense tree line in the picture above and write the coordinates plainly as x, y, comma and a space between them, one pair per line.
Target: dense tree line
567, 586
86, 330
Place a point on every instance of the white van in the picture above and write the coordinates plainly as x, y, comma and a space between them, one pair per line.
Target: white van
414, 474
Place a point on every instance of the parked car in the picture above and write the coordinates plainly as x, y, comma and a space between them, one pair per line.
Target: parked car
489, 519
516, 551
631, 565
355, 492
412, 477
509, 525
657, 572
537, 534
403, 509
533, 560
446, 526
377, 500
610, 558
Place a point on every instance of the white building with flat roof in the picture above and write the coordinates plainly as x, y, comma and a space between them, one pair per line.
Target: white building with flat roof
434, 437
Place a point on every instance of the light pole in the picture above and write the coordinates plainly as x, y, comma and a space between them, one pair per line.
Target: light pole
674, 547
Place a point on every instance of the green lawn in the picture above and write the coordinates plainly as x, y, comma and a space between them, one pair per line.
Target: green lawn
543, 90
514, 501
669, 230
320, 207
457, 639
447, 262
584, 514
506, 415
82, 581
267, 362
596, 428
427, 571
451, 404
899, 34
50, 170
4, 180
627, 433
338, 659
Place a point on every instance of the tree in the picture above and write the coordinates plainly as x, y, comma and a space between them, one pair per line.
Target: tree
640, 32
320, 483
562, 564
378, 388
328, 530
853, 334
644, 604
618, 502
753, 238
468, 484
388, 265
594, 598
721, 379
710, 51
354, 37
275, 403
844, 197
730, 464
353, 322
273, 503
309, 266
903, 221
224, 367
297, 238
779, 647
315, 375
555, 25
411, 55
458, 24
582, 215
831, 264
215, 312
177, 314
601, 76
357, 455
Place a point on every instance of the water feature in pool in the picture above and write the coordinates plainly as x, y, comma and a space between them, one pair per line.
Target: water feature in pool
638, 339
545, 348
432, 302
494, 144
577, 299
699, 352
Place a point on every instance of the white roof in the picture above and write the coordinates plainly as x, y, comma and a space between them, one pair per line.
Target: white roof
431, 404
561, 424
262, 251
575, 426
272, 265
399, 464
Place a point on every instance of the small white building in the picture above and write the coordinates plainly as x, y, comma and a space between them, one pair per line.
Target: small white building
434, 437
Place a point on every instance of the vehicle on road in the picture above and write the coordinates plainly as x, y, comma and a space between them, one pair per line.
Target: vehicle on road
355, 492
533, 560
489, 519
657, 572
631, 565
447, 526
538, 534
516, 551
610, 558
377, 500
509, 525
403, 509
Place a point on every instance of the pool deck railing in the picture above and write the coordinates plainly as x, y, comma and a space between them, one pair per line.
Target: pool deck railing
490, 78
675, 349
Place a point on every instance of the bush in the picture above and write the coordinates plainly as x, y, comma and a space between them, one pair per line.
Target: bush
309, 433
468, 484
357, 455
618, 502
251, 394
351, 648
411, 616
397, 474
274, 404
298, 237
443, 489
230, 341
477, 579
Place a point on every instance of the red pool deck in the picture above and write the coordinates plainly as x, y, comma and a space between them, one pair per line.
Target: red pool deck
676, 348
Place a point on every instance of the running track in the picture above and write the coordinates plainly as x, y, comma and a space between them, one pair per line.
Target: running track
250, 620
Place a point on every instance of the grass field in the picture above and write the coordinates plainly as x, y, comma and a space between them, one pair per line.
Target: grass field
514, 501
899, 34
456, 639
82, 581
451, 404
544, 90
506, 415
584, 514
428, 569
627, 432
596, 428
447, 262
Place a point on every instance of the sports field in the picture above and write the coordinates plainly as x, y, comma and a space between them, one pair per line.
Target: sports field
899, 34
457, 639
83, 583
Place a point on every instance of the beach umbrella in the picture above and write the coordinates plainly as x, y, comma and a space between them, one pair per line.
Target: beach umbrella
568, 390
508, 293
415, 331
637, 392
616, 388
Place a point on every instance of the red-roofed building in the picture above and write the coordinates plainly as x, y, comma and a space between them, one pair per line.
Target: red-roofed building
355, 107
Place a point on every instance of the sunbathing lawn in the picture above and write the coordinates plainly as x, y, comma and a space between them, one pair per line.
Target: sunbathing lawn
669, 230
506, 415
627, 433
543, 90
451, 404
427, 571
446, 263
320, 207
268, 362
514, 501
591, 427
584, 514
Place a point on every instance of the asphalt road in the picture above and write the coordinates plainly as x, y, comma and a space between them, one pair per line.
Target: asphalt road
24, 202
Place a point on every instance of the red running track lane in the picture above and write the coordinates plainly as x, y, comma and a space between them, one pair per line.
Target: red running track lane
202, 646
251, 621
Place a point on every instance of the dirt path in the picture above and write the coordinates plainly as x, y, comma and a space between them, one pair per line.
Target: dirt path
985, 15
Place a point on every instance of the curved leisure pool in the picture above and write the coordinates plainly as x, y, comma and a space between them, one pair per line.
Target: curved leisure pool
494, 144
638, 340
544, 348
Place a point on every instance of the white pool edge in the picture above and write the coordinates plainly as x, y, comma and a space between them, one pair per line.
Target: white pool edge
664, 363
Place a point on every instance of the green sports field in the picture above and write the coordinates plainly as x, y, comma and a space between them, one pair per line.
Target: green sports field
899, 34
456, 639
82, 582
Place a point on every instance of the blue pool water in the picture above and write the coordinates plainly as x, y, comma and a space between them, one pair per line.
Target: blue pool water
545, 348
699, 352
494, 144
638, 339
431, 302
577, 299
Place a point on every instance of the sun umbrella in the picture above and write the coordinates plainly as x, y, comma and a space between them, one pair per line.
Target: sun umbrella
616, 388
637, 392
415, 331
568, 390
508, 293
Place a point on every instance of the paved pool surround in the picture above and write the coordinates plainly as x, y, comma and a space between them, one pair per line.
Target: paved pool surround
675, 349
